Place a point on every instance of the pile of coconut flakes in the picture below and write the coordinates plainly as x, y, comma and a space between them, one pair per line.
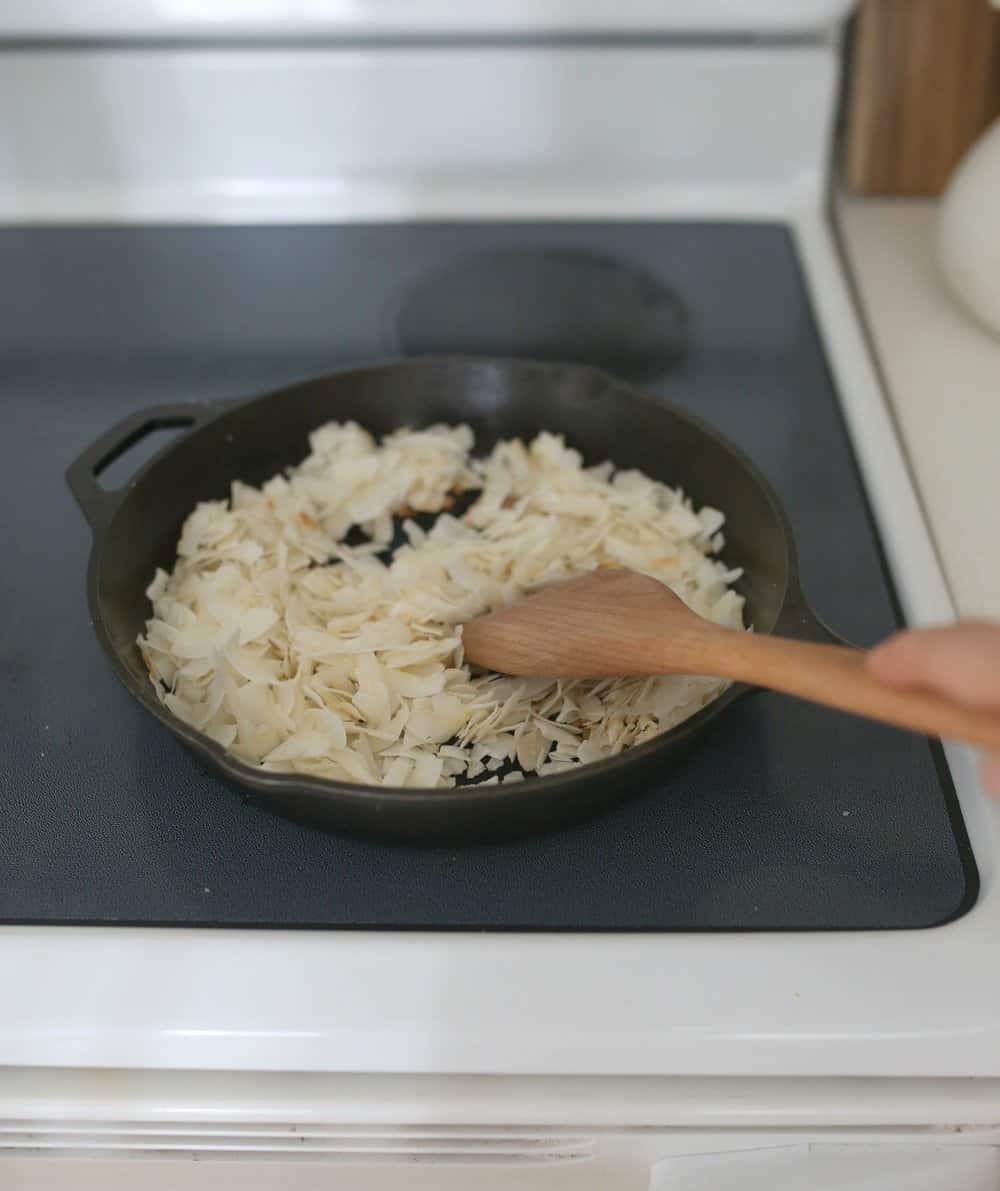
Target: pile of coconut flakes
299, 653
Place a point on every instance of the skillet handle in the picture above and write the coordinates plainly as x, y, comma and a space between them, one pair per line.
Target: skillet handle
96, 503
805, 658
798, 620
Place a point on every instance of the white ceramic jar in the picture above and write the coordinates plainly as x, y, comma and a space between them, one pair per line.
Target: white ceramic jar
969, 230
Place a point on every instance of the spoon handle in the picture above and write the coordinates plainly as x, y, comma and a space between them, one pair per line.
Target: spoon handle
836, 676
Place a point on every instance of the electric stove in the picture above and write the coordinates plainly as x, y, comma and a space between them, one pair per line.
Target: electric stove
772, 966
787, 817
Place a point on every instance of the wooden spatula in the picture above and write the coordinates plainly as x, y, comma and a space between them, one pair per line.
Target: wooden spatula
611, 623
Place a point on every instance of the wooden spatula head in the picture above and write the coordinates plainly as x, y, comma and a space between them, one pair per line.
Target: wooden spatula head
600, 625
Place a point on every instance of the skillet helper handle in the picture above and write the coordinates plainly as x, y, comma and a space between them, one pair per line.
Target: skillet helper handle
96, 503
836, 676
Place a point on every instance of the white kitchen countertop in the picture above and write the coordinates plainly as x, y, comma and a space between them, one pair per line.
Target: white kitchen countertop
941, 371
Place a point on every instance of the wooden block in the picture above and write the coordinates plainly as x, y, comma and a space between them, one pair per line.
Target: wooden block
923, 82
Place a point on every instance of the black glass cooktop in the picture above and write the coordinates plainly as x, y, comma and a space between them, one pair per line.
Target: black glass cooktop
787, 817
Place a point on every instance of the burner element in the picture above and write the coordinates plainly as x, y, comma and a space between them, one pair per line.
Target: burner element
547, 304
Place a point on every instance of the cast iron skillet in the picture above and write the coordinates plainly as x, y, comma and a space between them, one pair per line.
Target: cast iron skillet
136, 530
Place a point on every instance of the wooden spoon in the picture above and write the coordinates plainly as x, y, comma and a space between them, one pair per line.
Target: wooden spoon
612, 623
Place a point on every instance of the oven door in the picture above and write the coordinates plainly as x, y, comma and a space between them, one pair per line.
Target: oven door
823, 1166
448, 1158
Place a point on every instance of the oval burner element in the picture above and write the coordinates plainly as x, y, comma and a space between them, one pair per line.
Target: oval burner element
547, 304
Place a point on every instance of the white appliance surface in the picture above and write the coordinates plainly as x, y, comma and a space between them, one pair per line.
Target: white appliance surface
545, 1061
297, 18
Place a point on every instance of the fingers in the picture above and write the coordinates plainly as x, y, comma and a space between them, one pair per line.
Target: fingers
961, 660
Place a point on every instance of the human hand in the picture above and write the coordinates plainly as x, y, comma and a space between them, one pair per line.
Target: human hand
961, 661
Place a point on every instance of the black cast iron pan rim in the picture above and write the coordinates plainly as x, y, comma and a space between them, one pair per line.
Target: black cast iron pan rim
795, 616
